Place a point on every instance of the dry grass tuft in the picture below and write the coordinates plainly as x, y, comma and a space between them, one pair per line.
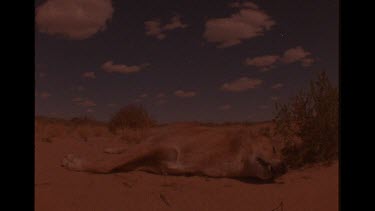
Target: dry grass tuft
130, 117
50, 128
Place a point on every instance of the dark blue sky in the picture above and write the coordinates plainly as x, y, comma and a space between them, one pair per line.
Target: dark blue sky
185, 59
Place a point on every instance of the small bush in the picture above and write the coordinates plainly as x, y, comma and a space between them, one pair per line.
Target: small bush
130, 117
309, 124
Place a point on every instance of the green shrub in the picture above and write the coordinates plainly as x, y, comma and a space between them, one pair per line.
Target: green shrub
130, 117
309, 124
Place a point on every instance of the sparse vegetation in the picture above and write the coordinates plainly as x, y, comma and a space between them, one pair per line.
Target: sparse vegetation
130, 117
225, 124
84, 127
52, 131
85, 120
309, 124
265, 131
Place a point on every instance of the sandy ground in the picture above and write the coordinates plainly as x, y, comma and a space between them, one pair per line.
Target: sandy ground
314, 188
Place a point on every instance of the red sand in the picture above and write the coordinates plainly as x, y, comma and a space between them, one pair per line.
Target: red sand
56, 188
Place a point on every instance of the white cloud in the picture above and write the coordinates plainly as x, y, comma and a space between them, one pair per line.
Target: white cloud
292, 55
275, 98
121, 68
264, 62
297, 54
44, 95
156, 29
137, 100
143, 95
84, 102
161, 102
90, 75
184, 94
80, 88
225, 107
247, 23
160, 95
87, 103
175, 23
112, 105
241, 84
73, 19
277, 86
153, 28
306, 62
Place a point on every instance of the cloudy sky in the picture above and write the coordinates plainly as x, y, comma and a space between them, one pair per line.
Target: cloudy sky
212, 60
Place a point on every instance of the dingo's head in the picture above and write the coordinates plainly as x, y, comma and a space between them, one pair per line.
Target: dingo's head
265, 161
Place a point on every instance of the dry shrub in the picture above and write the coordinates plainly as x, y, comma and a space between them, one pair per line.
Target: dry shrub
133, 136
49, 131
86, 127
85, 120
311, 117
86, 132
130, 117
49, 128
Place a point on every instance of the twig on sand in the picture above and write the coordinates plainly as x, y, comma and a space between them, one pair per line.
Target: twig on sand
162, 197
123, 182
280, 207
172, 186
127, 184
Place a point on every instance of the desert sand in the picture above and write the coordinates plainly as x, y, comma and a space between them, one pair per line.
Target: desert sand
312, 188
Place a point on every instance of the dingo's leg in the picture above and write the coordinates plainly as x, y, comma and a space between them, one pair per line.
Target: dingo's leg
134, 158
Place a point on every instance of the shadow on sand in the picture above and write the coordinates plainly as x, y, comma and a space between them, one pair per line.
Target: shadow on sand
256, 181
